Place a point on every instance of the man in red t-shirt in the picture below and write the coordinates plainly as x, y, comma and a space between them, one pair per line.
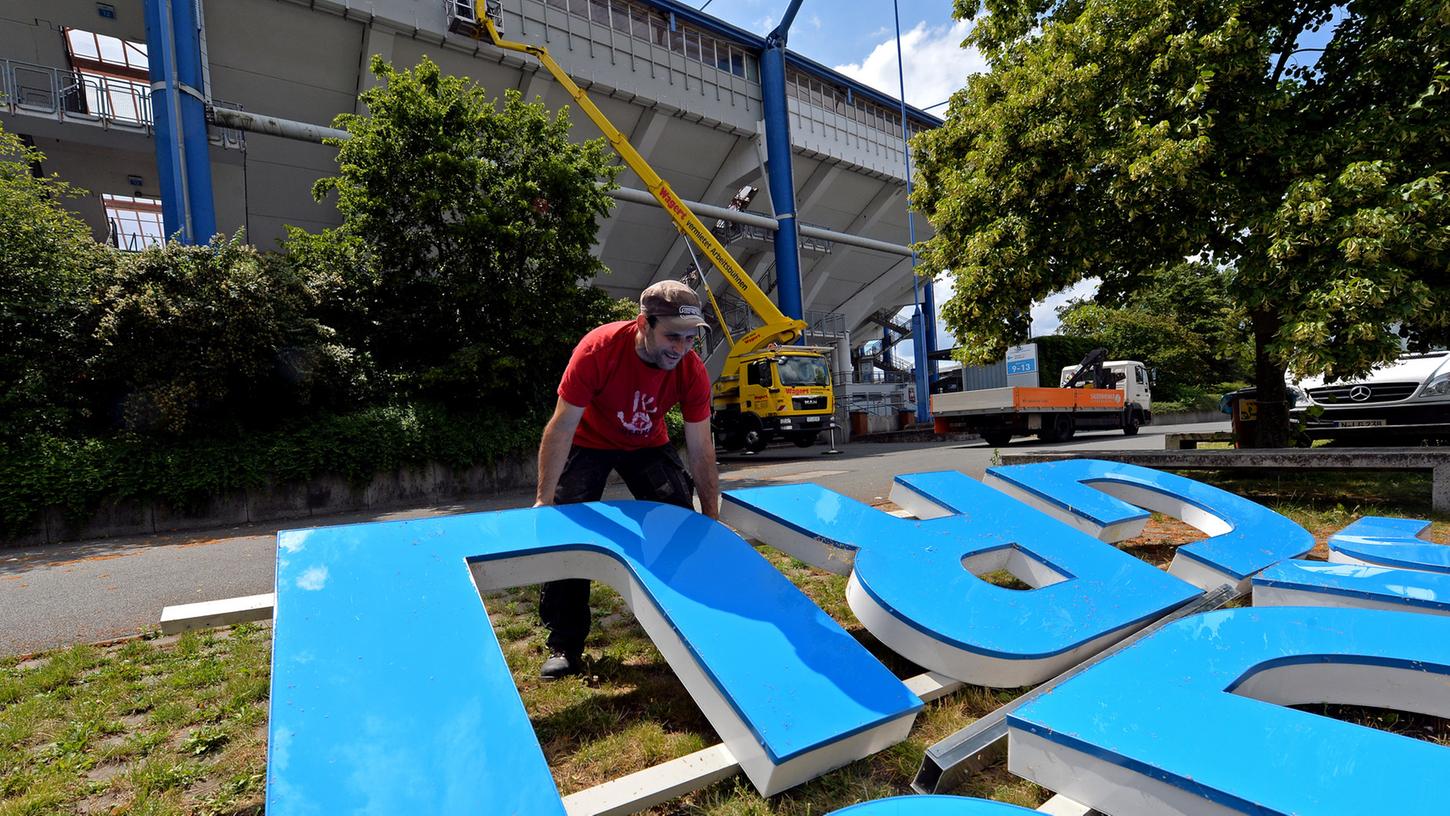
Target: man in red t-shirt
610, 416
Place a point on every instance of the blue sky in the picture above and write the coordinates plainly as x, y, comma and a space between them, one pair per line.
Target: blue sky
857, 37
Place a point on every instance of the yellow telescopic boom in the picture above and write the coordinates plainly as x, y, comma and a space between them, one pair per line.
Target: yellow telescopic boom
777, 327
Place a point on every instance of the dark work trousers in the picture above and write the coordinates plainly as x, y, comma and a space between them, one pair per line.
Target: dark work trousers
651, 474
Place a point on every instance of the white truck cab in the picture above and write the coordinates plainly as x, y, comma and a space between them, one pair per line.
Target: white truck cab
1132, 379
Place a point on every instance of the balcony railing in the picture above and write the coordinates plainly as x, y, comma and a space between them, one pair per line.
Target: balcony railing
73, 96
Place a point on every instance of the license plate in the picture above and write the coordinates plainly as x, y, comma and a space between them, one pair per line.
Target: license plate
813, 419
1359, 423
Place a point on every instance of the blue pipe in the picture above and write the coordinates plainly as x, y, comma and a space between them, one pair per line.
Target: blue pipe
778, 167
922, 324
183, 156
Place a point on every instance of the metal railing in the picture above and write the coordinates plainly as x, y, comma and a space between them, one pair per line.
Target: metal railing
73, 96
729, 233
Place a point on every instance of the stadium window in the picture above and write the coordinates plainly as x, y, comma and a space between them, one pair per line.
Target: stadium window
134, 221
113, 74
112, 54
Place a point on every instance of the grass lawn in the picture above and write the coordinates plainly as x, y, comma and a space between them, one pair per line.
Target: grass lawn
177, 725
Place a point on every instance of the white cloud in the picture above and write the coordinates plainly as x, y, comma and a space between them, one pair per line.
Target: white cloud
1044, 313
313, 579
936, 64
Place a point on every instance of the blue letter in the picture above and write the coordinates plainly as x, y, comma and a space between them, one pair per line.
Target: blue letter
1194, 719
1244, 537
1389, 542
390, 693
914, 584
1358, 586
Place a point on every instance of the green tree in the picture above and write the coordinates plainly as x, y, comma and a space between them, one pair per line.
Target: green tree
48, 268
466, 236
1180, 320
1136, 333
1112, 138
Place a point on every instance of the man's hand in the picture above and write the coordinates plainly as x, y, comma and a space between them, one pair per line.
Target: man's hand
702, 466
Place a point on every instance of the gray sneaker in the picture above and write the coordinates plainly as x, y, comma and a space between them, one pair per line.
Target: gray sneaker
560, 665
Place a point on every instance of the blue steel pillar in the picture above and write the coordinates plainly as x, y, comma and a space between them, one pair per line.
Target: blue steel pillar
919, 321
178, 114
928, 305
778, 167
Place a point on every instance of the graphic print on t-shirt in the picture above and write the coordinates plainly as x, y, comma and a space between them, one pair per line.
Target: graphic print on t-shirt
641, 422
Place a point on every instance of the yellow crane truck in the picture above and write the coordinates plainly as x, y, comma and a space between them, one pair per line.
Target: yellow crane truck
767, 388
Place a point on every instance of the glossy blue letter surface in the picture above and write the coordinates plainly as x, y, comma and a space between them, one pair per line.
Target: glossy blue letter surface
913, 583
1194, 718
1389, 542
1107, 499
1359, 586
390, 693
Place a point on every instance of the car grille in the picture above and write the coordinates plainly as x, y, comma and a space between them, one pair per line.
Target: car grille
809, 403
1378, 392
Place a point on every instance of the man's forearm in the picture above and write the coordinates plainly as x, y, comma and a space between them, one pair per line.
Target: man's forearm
553, 455
707, 480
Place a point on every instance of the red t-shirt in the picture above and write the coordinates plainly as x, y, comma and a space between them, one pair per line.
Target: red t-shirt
625, 399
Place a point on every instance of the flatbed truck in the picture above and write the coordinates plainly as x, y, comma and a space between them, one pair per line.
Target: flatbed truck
1052, 414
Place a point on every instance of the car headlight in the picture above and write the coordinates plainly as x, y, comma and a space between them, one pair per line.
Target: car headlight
1438, 386
1297, 396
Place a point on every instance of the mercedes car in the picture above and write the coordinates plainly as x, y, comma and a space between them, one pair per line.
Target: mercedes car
1404, 401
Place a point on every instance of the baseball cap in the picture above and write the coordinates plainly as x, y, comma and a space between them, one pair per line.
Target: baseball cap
674, 304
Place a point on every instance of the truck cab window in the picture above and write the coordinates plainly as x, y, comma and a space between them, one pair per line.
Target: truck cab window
796, 371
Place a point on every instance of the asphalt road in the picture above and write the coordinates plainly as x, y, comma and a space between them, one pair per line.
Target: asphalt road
104, 589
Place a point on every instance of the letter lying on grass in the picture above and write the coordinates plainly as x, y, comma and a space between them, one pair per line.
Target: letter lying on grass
390, 692
1109, 499
1194, 719
914, 583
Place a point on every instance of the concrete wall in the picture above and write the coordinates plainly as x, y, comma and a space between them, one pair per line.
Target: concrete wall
406, 487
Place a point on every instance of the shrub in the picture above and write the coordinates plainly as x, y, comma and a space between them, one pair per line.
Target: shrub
466, 238
76, 473
48, 268
210, 339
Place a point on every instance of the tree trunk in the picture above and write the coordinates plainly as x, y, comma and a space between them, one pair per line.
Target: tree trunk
1272, 396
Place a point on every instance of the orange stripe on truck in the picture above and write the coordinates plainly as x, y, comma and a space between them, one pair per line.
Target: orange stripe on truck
1066, 399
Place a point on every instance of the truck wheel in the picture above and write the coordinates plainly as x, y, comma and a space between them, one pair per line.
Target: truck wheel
1067, 427
756, 437
997, 438
1132, 423
804, 439
1060, 429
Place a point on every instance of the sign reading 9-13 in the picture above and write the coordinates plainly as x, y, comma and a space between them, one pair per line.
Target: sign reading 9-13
390, 693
